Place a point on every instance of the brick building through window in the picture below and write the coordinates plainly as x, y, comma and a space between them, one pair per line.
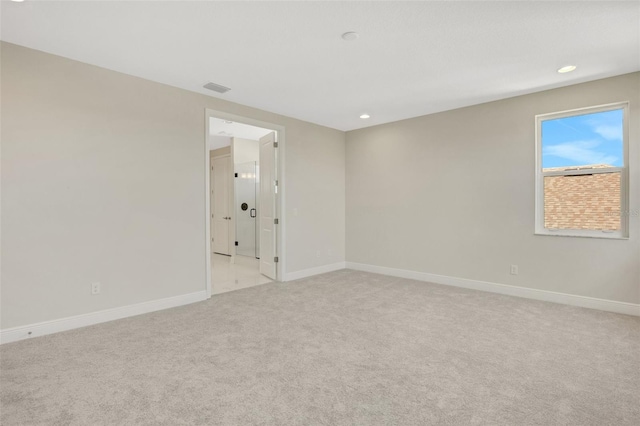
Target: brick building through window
582, 201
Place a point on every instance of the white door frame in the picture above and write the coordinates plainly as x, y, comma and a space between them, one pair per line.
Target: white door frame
280, 197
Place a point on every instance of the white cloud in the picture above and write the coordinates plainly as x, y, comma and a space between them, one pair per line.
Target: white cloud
580, 152
606, 124
609, 132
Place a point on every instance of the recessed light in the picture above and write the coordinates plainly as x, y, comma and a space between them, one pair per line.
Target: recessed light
567, 68
350, 36
365, 116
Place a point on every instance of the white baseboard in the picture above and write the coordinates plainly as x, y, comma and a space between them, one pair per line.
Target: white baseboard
314, 271
528, 293
69, 323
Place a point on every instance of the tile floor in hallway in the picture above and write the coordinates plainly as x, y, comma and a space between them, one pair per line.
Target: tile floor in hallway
228, 274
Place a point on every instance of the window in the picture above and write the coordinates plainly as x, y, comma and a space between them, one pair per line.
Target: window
581, 172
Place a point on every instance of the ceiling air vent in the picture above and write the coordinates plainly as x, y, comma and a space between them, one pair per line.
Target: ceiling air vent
216, 87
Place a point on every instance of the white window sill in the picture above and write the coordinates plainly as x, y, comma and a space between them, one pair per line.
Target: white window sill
592, 234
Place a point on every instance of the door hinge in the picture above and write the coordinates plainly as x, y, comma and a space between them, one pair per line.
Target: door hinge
276, 222
275, 144
236, 243
236, 175
276, 182
275, 259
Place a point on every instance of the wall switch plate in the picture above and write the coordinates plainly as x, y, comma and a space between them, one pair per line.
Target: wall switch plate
95, 288
514, 270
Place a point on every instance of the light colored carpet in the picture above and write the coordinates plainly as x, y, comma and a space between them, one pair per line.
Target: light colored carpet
344, 348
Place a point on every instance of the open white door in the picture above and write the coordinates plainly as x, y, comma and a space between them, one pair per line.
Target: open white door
268, 189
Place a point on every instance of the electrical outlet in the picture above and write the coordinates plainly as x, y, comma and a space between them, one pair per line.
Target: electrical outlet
95, 288
514, 269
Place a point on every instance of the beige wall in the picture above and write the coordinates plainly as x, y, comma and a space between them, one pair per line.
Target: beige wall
245, 150
103, 180
453, 194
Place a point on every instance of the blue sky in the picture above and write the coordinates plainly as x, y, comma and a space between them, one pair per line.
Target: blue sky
582, 140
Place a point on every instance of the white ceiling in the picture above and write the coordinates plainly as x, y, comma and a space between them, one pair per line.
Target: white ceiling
412, 58
226, 128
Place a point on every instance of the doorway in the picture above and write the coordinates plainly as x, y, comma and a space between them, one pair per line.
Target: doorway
245, 192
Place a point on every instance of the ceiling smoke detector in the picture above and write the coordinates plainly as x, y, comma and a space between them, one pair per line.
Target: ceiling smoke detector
216, 87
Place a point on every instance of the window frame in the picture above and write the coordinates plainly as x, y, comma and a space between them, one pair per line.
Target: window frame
623, 232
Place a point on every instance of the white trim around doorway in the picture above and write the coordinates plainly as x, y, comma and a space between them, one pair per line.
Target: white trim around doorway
280, 198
